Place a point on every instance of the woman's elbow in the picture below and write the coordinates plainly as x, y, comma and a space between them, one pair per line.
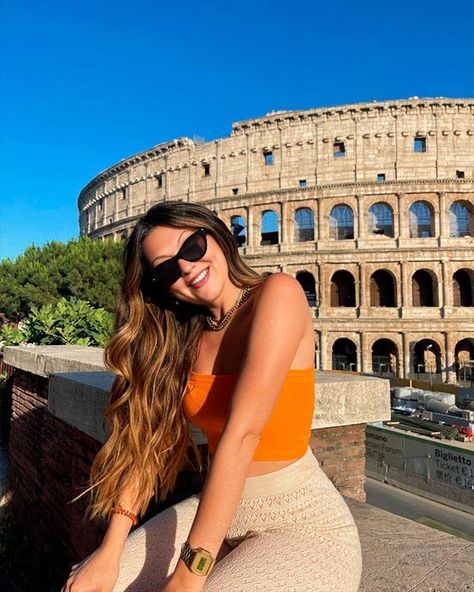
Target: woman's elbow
243, 441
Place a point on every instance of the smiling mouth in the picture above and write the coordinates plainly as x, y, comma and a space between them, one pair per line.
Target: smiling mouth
200, 277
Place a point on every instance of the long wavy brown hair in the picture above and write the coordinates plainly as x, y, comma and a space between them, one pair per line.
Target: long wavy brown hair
151, 352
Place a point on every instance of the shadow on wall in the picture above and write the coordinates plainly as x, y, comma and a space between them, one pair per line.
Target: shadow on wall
41, 534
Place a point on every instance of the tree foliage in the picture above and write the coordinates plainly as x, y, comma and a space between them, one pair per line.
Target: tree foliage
83, 268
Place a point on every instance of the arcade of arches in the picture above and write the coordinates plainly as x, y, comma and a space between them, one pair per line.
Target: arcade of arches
401, 291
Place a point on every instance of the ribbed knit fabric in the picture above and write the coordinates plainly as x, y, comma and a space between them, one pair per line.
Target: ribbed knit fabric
292, 532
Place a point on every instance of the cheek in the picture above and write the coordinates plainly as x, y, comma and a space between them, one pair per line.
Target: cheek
218, 264
216, 255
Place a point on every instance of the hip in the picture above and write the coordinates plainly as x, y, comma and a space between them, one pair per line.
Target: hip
300, 496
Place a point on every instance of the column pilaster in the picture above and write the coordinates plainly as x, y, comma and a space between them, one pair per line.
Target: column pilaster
446, 304
365, 361
406, 355
284, 239
402, 227
443, 230
324, 365
361, 230
250, 238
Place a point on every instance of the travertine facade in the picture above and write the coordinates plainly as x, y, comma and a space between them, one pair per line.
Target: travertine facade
370, 205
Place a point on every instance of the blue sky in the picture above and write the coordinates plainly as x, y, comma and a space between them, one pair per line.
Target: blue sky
86, 83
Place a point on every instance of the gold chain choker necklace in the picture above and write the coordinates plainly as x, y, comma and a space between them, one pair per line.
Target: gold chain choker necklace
218, 325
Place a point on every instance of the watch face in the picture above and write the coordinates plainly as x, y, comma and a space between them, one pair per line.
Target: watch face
200, 563
198, 560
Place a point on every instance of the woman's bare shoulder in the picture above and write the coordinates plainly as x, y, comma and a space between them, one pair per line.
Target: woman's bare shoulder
282, 295
279, 284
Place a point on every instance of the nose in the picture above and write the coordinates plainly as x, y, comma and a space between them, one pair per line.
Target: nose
186, 267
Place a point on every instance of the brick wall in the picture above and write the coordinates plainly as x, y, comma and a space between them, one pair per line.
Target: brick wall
341, 454
47, 460
49, 463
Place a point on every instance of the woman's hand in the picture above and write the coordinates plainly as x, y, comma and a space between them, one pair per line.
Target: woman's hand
183, 580
98, 572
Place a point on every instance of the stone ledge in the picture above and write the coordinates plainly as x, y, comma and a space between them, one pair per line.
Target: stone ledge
79, 399
77, 372
345, 399
44, 360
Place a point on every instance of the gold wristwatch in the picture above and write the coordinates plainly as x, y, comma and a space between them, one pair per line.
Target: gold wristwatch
198, 560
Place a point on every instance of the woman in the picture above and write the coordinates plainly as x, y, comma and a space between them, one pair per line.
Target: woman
202, 338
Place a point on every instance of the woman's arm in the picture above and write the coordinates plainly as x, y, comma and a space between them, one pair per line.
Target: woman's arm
278, 325
120, 525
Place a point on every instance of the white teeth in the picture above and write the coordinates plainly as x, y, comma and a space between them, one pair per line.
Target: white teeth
199, 278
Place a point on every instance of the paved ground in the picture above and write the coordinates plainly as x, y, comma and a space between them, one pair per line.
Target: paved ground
400, 555
420, 509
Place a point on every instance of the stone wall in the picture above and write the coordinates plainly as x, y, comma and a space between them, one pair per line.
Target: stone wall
341, 454
378, 139
398, 336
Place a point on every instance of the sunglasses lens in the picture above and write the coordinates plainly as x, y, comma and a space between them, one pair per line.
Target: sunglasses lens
193, 248
166, 273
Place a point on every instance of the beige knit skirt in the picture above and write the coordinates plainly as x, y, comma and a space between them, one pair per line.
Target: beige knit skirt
292, 532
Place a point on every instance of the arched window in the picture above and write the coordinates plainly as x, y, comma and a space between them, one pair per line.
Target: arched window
344, 355
461, 219
463, 287
304, 225
380, 219
307, 282
341, 223
382, 288
237, 227
269, 228
342, 289
423, 289
421, 223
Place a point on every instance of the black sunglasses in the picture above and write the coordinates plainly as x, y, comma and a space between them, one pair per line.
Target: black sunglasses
193, 248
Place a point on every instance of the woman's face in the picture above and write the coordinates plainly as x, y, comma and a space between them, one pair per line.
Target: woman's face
163, 242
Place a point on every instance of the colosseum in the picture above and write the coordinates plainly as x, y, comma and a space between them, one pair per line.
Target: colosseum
369, 205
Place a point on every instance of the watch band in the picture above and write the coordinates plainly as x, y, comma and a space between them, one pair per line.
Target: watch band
199, 560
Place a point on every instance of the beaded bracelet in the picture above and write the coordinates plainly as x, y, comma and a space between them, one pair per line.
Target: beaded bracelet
119, 510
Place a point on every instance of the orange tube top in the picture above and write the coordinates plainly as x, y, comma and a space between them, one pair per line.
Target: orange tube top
287, 432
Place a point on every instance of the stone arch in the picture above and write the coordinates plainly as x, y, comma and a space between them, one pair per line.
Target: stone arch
464, 359
344, 354
385, 356
463, 287
382, 288
427, 357
303, 225
306, 279
421, 219
342, 289
424, 286
269, 228
341, 222
238, 228
461, 218
380, 220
